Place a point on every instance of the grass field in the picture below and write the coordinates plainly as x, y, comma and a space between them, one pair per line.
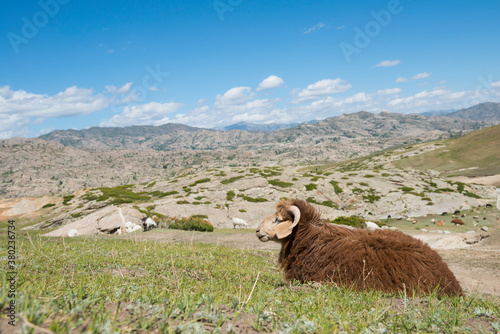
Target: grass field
106, 285
475, 154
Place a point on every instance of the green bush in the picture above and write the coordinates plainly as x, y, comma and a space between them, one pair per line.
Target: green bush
232, 179
49, 205
350, 221
369, 176
406, 189
468, 193
336, 187
279, 183
182, 202
311, 186
252, 199
67, 199
192, 223
230, 195
199, 181
329, 204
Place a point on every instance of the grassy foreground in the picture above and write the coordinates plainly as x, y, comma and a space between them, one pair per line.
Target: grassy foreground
105, 285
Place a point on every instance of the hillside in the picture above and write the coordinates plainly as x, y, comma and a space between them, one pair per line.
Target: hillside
360, 125
70, 160
486, 112
475, 154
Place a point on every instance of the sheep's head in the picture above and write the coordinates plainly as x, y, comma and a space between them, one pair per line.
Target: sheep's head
280, 224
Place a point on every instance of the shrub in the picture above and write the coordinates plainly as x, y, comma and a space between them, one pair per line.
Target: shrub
371, 198
350, 221
231, 180
369, 176
150, 185
242, 210
311, 186
329, 204
199, 181
49, 205
279, 183
468, 193
67, 199
182, 202
230, 195
192, 223
406, 189
252, 199
336, 187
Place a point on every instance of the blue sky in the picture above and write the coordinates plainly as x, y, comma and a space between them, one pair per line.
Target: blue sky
76, 64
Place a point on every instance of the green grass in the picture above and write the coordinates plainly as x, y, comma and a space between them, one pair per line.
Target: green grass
199, 181
311, 186
107, 285
279, 183
232, 179
479, 149
336, 187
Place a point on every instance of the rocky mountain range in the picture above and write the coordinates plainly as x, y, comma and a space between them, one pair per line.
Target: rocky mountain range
62, 162
486, 112
349, 126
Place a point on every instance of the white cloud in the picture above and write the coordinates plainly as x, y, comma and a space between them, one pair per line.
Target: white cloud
234, 96
389, 91
421, 76
270, 82
153, 89
388, 63
341, 27
152, 113
72, 101
124, 89
415, 77
322, 87
316, 27
495, 84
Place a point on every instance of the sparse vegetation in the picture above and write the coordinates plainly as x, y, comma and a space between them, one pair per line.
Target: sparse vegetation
230, 195
311, 186
252, 199
232, 179
336, 187
279, 183
353, 221
329, 204
193, 223
48, 205
67, 199
199, 181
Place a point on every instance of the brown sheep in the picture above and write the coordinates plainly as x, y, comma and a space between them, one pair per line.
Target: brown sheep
440, 223
457, 221
385, 260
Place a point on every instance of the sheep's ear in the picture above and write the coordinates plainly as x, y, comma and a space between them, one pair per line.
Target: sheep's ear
283, 229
